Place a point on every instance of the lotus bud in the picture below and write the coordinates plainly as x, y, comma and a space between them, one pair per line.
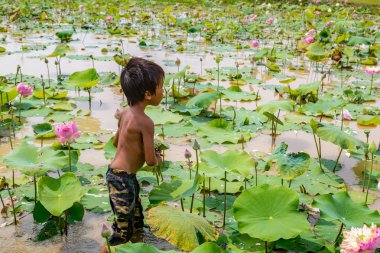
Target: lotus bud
372, 147
108, 19
201, 59
117, 113
46, 61
177, 62
33, 8
241, 139
105, 232
270, 20
2, 182
309, 40
378, 185
255, 161
196, 145
218, 58
329, 23
347, 115
24, 90
255, 43
367, 132
187, 154
243, 21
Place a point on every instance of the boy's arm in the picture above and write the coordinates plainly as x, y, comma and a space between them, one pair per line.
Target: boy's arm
148, 141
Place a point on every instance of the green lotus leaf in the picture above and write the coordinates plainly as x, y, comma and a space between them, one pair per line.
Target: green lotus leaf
269, 213
235, 93
203, 100
193, 111
182, 229
58, 195
96, 200
231, 160
43, 130
287, 80
244, 116
49, 93
218, 185
64, 36
340, 206
181, 129
160, 116
64, 106
220, 131
275, 105
325, 105
316, 52
208, 247
335, 135
369, 120
84, 79
356, 40
273, 66
60, 50
7, 94
108, 79
173, 191
293, 165
33, 162
140, 248
59, 117
109, 149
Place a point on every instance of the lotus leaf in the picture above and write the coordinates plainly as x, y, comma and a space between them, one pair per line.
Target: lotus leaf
60, 50
173, 191
64, 106
335, 135
316, 52
58, 195
220, 131
235, 93
237, 161
293, 165
84, 79
160, 116
32, 162
368, 120
182, 229
275, 105
7, 94
43, 130
203, 100
340, 206
139, 248
269, 213
96, 200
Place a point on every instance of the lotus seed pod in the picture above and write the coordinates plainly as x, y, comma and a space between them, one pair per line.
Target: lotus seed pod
196, 145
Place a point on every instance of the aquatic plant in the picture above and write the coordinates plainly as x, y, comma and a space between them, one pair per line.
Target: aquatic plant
67, 134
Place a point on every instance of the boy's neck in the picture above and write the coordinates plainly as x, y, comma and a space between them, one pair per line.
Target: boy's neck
139, 106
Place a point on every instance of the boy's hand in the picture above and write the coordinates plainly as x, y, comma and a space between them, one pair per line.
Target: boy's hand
159, 155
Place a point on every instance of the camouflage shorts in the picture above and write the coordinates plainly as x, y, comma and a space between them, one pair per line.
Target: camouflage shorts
126, 205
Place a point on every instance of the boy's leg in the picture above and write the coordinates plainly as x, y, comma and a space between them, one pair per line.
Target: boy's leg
139, 216
122, 199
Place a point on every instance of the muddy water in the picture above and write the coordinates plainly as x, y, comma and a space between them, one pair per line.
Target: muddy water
84, 236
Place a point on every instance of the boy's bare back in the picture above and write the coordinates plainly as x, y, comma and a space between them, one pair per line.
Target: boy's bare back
134, 141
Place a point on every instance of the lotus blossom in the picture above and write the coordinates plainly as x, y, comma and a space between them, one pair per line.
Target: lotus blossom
365, 239
195, 12
109, 19
67, 133
244, 21
270, 20
309, 40
311, 32
372, 70
329, 23
317, 13
24, 90
33, 8
317, 1
202, 16
347, 115
177, 62
255, 43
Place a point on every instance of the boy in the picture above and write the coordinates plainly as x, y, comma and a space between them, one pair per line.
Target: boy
142, 83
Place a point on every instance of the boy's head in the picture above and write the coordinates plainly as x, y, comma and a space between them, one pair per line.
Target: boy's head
140, 79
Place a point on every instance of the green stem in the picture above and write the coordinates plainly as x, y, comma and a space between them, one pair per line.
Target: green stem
340, 231
69, 158
108, 246
2, 201
266, 246
369, 181
35, 188
225, 198
316, 145
204, 195
290, 183
209, 186
13, 206
364, 172
19, 111
183, 209
337, 160
66, 221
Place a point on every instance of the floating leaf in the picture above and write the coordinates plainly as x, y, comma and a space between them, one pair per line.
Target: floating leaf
84, 79
293, 165
202, 100
160, 116
220, 131
269, 213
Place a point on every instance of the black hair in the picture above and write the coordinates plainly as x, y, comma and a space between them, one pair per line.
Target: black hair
139, 76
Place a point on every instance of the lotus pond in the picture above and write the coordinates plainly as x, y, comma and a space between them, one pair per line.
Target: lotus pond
269, 125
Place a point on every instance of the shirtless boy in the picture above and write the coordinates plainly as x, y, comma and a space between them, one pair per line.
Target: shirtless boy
142, 83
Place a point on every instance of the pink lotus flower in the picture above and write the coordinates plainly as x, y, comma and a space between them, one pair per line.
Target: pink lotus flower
33, 8
365, 239
244, 21
202, 16
347, 115
311, 32
255, 43
355, 15
372, 70
24, 90
317, 13
67, 133
345, 2
109, 19
252, 17
309, 40
317, 1
195, 12
270, 20
329, 23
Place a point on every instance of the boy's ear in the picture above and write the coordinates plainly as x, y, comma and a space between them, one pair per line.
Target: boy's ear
148, 95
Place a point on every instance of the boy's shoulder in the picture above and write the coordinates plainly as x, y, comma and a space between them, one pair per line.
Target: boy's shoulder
140, 118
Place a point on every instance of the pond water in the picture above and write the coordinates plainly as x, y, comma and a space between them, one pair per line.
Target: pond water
85, 236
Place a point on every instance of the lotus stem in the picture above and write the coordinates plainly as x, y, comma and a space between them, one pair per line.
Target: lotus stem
35, 188
316, 145
209, 186
336, 162
13, 206
48, 71
369, 181
183, 209
196, 175
365, 170
66, 221
340, 232
10, 137
108, 246
204, 195
245, 183
13, 178
370, 90
225, 198
290, 183
266, 246
19, 111
2, 201
69, 157
256, 173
